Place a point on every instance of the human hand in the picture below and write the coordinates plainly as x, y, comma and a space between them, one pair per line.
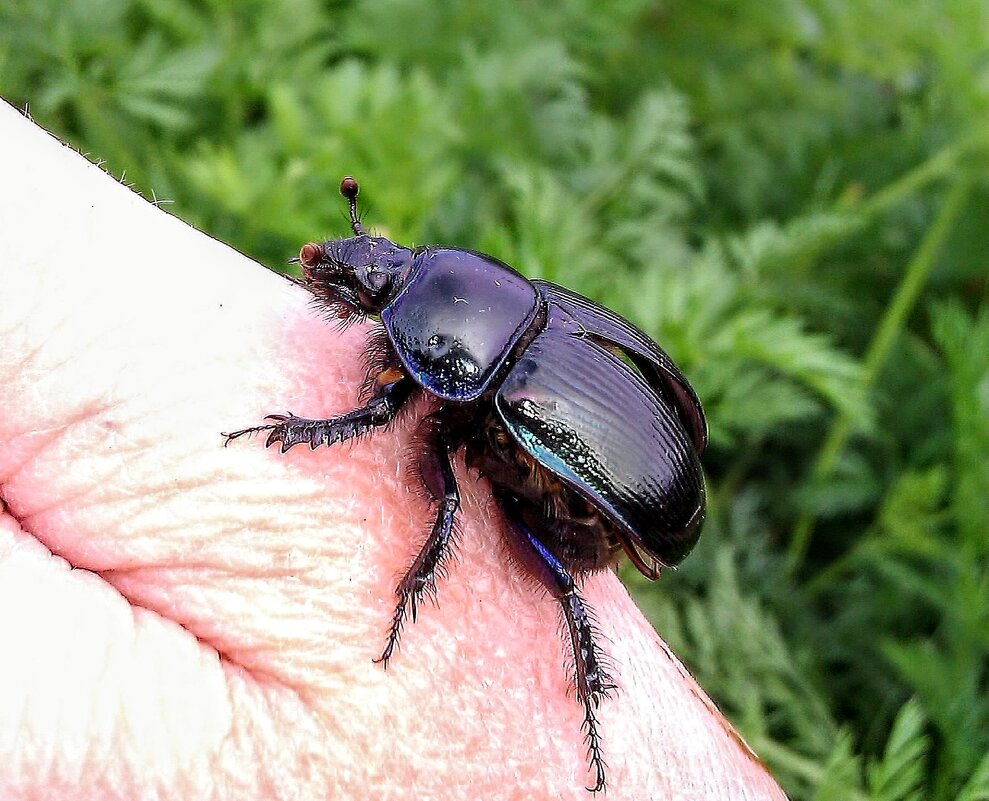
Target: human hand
184, 620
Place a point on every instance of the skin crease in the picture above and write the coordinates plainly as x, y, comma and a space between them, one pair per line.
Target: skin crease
184, 620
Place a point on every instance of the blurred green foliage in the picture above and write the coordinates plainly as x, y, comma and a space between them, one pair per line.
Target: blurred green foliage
792, 197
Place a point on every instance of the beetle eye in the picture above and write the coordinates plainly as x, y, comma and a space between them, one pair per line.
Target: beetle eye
310, 254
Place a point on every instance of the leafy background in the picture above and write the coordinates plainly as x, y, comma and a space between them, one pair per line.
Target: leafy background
792, 197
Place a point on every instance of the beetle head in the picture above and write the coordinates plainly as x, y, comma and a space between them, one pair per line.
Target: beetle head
361, 273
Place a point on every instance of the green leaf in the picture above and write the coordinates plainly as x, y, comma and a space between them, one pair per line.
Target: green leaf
899, 776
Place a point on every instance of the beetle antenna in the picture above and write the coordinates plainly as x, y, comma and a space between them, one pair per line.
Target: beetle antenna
349, 188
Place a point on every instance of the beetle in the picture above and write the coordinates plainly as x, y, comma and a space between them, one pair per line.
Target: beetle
587, 432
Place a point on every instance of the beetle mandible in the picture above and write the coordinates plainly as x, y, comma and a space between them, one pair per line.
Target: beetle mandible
586, 430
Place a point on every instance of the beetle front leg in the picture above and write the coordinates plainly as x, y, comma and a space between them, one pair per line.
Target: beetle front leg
437, 477
591, 677
291, 430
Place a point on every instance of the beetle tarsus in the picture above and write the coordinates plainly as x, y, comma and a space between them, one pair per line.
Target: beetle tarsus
595, 754
437, 477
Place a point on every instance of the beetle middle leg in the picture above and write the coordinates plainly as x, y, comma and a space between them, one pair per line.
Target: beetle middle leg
290, 430
591, 677
436, 474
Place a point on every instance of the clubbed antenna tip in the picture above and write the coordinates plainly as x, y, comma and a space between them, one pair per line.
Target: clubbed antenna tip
349, 188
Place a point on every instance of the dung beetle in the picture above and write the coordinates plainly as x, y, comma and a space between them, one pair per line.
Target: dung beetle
588, 434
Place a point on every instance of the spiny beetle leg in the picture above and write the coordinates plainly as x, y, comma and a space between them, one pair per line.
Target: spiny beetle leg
437, 477
290, 430
591, 678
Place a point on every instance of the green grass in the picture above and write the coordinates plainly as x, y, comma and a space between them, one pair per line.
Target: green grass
792, 197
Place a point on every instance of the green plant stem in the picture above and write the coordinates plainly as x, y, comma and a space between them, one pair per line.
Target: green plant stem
893, 322
941, 164
937, 166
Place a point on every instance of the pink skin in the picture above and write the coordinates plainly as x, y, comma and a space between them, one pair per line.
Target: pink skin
184, 620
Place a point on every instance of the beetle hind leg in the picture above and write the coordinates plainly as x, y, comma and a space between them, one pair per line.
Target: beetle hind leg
591, 673
436, 474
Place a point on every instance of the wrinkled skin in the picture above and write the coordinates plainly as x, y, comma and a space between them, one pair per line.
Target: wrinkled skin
216, 635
